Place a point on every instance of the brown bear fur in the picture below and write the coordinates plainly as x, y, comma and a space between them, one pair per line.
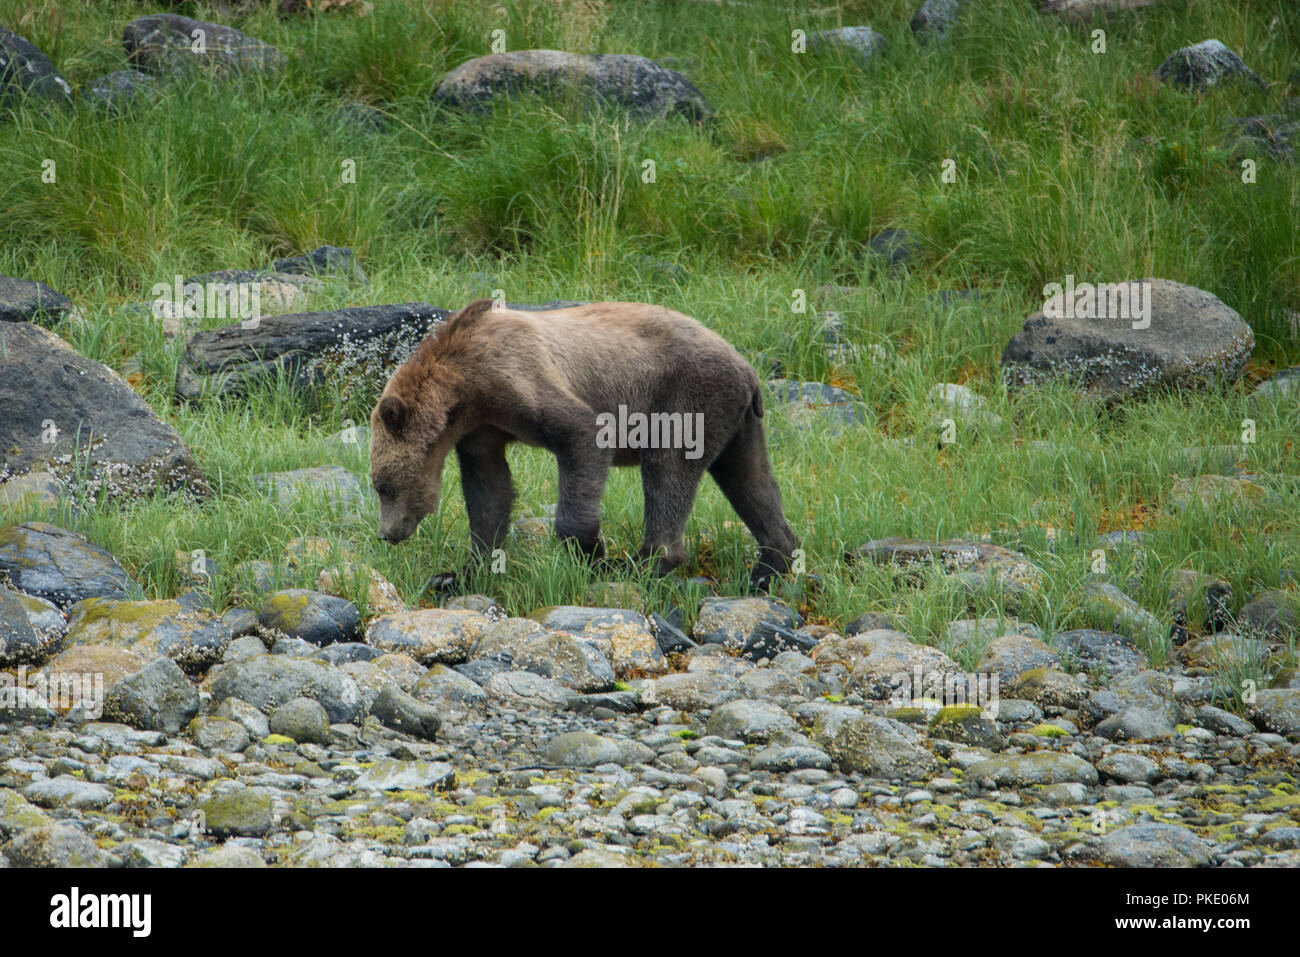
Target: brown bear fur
491, 375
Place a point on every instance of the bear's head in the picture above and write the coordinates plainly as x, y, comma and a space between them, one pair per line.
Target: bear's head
408, 446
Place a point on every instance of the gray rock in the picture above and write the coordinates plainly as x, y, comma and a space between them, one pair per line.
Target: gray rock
16, 814
1282, 388
935, 18
1223, 722
694, 691
121, 88
1154, 845
268, 681
220, 734
1203, 65
164, 44
85, 425
582, 749
560, 657
391, 775
802, 402
449, 692
23, 300
302, 719
733, 622
1193, 341
860, 44
1135, 724
1026, 770
429, 635
19, 642
325, 262
27, 72
976, 566
54, 845
311, 616
246, 812
748, 720
894, 247
876, 747
67, 791
339, 488
1273, 614
1129, 768
248, 717
157, 698
1012, 655
1277, 710
344, 349
1102, 651
526, 691
641, 86
403, 712
346, 652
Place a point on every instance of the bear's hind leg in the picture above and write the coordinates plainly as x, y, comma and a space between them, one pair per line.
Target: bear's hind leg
744, 474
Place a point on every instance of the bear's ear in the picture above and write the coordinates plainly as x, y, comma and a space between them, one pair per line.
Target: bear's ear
394, 413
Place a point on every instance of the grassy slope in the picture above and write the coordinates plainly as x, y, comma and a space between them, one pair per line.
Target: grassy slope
806, 161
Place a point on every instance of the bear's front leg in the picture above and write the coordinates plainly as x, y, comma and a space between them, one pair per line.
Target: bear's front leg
583, 468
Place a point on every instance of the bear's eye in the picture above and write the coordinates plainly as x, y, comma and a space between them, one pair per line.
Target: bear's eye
383, 489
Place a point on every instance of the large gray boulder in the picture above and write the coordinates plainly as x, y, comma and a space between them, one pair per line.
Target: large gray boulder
169, 43
935, 18
27, 72
1187, 338
268, 681
346, 348
84, 421
639, 85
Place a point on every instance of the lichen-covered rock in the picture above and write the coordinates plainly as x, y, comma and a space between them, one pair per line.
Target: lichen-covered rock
54, 845
120, 89
641, 86
1012, 655
312, 616
339, 488
887, 664
692, 691
1102, 651
303, 720
194, 639
582, 749
625, 637
560, 657
403, 712
1083, 11
732, 622
1277, 710
449, 692
935, 18
1026, 770
749, 720
430, 635
246, 812
1154, 844
1188, 338
967, 724
524, 690
20, 644
870, 745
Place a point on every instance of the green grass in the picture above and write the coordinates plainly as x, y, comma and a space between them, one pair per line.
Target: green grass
1067, 162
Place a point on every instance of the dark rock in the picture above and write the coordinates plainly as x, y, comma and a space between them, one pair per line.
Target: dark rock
1272, 136
672, 640
121, 88
641, 86
312, 616
770, 639
1203, 65
342, 348
895, 247
165, 43
27, 72
1193, 340
157, 698
85, 421
1103, 651
24, 300
346, 651
19, 642
402, 712
734, 622
324, 262
302, 719
60, 566
1273, 614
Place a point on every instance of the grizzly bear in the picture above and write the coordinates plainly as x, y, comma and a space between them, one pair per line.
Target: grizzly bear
598, 385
